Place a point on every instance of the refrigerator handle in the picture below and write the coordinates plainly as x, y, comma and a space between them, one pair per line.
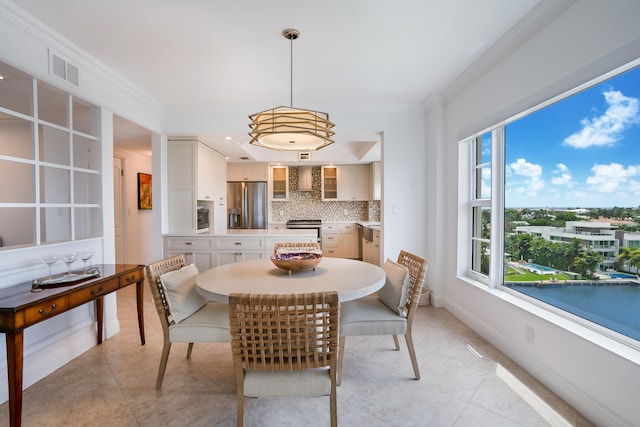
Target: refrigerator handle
245, 207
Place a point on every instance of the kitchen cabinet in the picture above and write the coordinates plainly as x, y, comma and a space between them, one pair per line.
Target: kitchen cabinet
196, 250
349, 240
195, 177
279, 183
329, 183
247, 172
236, 249
346, 183
375, 255
353, 182
376, 181
340, 240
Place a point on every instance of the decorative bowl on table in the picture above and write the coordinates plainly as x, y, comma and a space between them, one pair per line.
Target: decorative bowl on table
293, 261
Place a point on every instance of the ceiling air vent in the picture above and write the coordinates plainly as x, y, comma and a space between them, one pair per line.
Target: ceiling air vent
304, 156
62, 69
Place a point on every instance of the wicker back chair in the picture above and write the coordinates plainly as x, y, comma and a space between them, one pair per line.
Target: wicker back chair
369, 316
296, 246
208, 324
279, 342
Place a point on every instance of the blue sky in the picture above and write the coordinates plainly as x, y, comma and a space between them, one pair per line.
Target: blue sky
583, 151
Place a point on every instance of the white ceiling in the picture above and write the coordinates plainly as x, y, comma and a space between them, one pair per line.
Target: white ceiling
232, 55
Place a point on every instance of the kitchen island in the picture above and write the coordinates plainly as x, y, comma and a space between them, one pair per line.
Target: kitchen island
208, 250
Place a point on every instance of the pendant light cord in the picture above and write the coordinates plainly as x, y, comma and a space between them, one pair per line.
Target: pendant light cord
291, 72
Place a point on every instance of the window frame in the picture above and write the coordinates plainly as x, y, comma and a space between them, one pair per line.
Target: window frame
467, 203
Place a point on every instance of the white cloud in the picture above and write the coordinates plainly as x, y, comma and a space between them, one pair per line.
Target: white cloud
622, 111
612, 177
563, 176
531, 174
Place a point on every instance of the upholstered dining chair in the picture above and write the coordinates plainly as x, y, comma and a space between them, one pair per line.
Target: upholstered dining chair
285, 345
185, 316
391, 312
296, 246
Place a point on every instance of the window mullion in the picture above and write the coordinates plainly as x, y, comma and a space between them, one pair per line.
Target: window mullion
497, 207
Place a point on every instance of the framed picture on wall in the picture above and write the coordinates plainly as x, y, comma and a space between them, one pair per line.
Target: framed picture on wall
144, 191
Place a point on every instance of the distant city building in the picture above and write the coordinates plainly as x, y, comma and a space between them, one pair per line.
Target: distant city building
601, 237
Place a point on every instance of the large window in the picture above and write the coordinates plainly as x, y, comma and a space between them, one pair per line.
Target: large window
555, 207
50, 163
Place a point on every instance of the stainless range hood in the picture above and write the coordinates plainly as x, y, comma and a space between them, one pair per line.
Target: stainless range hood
305, 178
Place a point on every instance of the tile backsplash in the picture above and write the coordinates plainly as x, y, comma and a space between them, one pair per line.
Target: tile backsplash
309, 204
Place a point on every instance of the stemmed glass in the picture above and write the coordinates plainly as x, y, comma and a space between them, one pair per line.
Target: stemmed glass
69, 259
50, 260
85, 257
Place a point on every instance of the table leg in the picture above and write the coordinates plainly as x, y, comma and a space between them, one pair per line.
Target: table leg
15, 348
99, 317
140, 302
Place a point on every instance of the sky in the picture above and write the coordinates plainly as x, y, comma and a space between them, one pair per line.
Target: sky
581, 152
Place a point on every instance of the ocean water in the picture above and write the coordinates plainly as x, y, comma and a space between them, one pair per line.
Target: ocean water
614, 306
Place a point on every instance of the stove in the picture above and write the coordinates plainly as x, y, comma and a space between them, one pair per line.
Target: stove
306, 224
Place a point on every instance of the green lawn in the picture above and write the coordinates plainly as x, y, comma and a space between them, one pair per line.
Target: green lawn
527, 276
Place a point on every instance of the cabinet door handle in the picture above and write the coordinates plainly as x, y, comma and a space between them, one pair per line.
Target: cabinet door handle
238, 243
189, 243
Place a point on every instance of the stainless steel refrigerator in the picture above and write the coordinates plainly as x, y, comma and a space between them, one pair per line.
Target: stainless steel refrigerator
247, 204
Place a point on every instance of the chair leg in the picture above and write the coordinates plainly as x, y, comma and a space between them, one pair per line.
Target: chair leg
333, 405
412, 354
395, 340
189, 350
163, 363
340, 359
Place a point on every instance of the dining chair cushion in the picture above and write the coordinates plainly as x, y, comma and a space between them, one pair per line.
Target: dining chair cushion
308, 382
396, 288
209, 324
181, 294
369, 316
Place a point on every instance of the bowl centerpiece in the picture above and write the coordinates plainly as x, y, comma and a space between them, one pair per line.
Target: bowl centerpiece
293, 261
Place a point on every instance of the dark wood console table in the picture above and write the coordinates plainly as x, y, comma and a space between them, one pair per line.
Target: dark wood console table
21, 308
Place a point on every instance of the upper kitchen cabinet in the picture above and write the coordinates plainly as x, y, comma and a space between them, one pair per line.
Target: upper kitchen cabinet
279, 182
196, 176
329, 183
376, 181
212, 174
247, 172
347, 183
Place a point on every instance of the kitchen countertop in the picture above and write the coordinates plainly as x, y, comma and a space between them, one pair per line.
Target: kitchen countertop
253, 232
370, 224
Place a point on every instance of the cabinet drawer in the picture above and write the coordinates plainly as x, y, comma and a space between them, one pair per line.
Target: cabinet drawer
186, 243
328, 228
347, 228
92, 292
332, 252
45, 310
241, 243
129, 278
330, 239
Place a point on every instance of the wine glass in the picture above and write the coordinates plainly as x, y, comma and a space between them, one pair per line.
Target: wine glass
69, 259
85, 257
50, 260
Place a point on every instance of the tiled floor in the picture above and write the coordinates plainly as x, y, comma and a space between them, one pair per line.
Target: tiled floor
465, 382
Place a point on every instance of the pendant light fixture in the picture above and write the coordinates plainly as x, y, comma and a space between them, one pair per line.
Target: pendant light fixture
289, 128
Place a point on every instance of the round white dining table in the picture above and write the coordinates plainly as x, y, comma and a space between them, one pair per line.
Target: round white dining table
352, 279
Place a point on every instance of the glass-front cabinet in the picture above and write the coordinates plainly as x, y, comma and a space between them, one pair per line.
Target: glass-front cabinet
49, 163
329, 183
279, 183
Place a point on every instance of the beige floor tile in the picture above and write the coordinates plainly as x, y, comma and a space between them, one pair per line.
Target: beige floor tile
114, 383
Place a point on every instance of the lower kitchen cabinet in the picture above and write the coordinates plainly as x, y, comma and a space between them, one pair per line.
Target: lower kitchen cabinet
340, 240
196, 250
230, 256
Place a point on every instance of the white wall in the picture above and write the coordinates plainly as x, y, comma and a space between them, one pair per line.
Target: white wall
597, 376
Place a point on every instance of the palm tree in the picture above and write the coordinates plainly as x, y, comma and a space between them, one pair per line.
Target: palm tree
630, 257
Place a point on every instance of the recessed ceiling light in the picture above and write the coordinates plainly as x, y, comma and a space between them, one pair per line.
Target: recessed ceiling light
228, 138
1, 77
